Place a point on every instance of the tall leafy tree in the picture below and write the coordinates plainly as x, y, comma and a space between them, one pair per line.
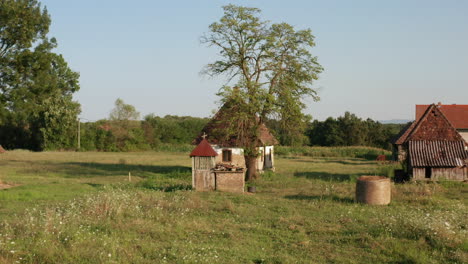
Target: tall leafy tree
125, 126
123, 111
272, 66
37, 110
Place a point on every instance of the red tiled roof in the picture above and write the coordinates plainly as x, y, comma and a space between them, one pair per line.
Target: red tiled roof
431, 125
456, 114
203, 149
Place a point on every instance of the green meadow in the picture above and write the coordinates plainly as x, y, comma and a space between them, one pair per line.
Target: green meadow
80, 207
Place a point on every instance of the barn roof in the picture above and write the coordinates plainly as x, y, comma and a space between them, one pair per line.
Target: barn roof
456, 114
218, 128
437, 153
203, 149
404, 133
432, 125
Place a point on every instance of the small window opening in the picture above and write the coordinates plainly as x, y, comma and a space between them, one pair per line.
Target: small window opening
227, 155
428, 172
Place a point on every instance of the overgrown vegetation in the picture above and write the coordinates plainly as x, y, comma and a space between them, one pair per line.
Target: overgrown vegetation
37, 110
350, 130
80, 208
176, 133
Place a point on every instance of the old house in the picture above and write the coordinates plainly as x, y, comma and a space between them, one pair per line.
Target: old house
457, 115
206, 176
229, 146
431, 148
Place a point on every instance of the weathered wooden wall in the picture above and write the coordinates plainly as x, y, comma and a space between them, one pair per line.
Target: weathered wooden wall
458, 174
202, 177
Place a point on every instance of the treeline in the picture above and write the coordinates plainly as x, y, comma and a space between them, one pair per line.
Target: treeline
130, 135
350, 130
155, 132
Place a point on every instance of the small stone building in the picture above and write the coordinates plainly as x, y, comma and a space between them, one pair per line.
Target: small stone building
230, 148
432, 149
207, 176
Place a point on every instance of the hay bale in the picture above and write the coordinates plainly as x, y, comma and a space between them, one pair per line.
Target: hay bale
374, 190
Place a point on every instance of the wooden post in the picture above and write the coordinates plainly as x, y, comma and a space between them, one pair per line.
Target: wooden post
79, 143
129, 177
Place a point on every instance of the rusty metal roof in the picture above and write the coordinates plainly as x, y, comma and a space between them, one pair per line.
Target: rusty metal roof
456, 114
437, 153
203, 149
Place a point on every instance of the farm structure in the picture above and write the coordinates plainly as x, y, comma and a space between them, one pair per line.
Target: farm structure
457, 115
432, 149
207, 176
229, 144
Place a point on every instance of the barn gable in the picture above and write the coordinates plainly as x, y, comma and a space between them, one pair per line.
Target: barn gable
434, 148
433, 126
456, 114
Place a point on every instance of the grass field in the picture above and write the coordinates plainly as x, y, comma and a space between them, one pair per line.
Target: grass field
81, 208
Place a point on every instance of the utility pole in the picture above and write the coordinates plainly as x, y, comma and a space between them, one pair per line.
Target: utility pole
79, 143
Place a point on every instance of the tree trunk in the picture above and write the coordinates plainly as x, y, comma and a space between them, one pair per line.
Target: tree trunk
251, 164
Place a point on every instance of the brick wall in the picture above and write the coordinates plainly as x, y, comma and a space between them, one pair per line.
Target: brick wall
230, 181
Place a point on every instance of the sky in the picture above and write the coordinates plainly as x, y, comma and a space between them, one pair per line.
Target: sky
380, 57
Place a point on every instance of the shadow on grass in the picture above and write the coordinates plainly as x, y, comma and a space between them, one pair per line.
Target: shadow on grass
95, 169
95, 185
325, 176
151, 185
347, 161
333, 198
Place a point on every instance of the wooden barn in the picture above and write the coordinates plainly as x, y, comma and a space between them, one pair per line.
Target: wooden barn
230, 148
432, 148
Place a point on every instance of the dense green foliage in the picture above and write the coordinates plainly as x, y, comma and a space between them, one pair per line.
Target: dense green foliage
36, 85
177, 133
153, 132
272, 69
350, 130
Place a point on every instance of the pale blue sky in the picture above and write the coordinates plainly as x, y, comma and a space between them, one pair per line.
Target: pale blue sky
380, 57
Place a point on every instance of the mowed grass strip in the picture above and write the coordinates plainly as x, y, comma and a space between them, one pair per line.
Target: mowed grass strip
82, 209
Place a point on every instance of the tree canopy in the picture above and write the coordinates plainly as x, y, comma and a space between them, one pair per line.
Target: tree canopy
37, 110
272, 67
123, 111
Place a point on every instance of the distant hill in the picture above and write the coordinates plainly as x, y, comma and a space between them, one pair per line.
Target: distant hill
395, 121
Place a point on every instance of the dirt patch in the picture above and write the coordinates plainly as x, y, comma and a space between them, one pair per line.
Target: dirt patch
4, 185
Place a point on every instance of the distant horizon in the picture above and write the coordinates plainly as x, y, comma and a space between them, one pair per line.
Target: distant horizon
380, 58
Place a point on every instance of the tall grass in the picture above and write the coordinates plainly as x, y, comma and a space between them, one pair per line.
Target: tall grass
88, 212
164, 147
368, 153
